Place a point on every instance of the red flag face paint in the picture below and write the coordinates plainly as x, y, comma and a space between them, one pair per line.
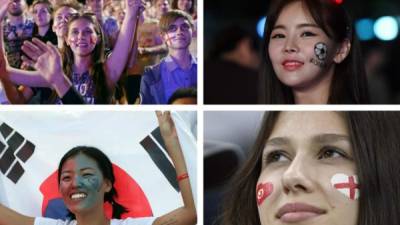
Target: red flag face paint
263, 190
347, 185
82, 37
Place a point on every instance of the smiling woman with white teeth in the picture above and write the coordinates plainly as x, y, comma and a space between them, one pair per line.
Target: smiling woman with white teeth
319, 168
82, 65
311, 55
86, 180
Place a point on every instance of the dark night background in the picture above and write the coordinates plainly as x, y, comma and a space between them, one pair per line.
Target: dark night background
222, 13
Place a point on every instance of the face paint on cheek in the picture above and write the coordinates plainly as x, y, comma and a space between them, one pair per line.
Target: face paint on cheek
263, 190
168, 39
347, 185
93, 39
94, 182
320, 51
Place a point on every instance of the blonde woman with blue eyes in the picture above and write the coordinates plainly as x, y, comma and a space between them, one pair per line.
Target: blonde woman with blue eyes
311, 55
320, 168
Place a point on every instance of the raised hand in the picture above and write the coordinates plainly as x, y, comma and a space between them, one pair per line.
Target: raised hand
3, 8
167, 126
187, 214
134, 6
32, 51
49, 63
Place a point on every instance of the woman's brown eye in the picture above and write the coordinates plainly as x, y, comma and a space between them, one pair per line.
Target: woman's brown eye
278, 36
331, 153
276, 156
308, 34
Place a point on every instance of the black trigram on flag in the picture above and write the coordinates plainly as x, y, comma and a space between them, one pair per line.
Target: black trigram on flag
159, 157
14, 152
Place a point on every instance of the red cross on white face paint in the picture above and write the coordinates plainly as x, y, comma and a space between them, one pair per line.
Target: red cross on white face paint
347, 185
263, 190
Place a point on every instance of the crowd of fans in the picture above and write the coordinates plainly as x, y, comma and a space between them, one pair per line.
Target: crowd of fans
98, 52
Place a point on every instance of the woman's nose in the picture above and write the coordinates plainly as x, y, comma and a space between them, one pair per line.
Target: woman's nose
297, 177
291, 45
77, 181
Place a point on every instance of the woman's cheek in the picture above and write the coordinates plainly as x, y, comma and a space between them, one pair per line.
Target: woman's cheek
263, 191
93, 39
320, 54
347, 185
73, 39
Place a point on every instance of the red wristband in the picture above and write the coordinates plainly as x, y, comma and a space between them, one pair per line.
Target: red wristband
182, 177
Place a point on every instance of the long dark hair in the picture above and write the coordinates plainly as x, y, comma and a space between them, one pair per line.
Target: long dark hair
349, 82
105, 166
103, 95
375, 144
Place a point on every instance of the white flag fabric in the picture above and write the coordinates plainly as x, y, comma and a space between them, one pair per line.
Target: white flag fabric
33, 142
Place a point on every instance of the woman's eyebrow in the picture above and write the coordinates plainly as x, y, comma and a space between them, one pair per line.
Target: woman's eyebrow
329, 138
87, 168
301, 25
278, 141
279, 27
66, 171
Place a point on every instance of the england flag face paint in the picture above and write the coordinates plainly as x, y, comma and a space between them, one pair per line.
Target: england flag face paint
320, 51
347, 185
263, 191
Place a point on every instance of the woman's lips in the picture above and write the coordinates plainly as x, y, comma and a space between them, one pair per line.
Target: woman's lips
292, 65
297, 212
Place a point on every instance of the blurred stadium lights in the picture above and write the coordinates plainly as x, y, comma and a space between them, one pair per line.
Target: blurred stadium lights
365, 29
338, 1
260, 26
386, 28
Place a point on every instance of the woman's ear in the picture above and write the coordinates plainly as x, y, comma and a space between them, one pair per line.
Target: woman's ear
107, 185
342, 51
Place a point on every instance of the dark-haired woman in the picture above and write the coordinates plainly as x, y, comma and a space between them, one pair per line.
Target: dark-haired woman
311, 55
320, 168
86, 181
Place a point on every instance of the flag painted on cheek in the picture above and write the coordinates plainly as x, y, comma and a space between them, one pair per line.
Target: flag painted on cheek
39, 139
347, 185
129, 192
263, 190
93, 39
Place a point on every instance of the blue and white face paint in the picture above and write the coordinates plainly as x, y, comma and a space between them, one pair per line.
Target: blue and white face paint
321, 52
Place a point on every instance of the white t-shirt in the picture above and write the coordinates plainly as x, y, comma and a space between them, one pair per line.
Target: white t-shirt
128, 221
